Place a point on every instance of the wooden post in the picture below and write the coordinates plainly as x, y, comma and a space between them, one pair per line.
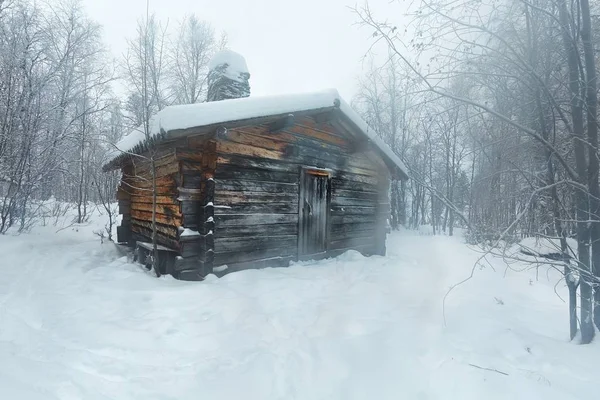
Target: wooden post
124, 199
197, 204
382, 213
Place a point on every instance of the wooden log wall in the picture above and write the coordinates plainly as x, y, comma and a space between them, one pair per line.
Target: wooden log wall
135, 197
257, 186
196, 196
179, 180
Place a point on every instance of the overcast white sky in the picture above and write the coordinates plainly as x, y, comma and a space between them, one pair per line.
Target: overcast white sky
290, 46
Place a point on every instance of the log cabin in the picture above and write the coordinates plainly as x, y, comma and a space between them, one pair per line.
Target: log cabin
255, 182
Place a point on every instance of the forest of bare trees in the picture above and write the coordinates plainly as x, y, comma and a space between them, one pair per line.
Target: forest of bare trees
493, 105
65, 100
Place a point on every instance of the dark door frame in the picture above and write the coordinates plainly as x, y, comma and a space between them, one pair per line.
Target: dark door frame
322, 172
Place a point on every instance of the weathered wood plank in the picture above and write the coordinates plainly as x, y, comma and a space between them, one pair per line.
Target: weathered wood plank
270, 142
256, 230
347, 176
160, 238
226, 244
164, 181
262, 208
171, 200
256, 186
167, 230
355, 194
366, 234
229, 197
247, 150
257, 163
353, 210
225, 172
187, 154
341, 229
319, 134
348, 219
161, 218
348, 201
340, 184
254, 219
190, 166
166, 209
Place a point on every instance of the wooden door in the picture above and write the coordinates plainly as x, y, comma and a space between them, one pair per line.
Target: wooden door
314, 206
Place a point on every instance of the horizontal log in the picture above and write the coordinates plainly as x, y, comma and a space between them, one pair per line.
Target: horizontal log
256, 230
340, 184
348, 201
171, 200
349, 219
190, 166
256, 186
245, 256
167, 230
340, 235
270, 142
188, 154
247, 150
257, 264
168, 181
264, 207
348, 228
197, 141
166, 209
324, 126
355, 194
348, 176
229, 197
226, 245
227, 172
160, 238
257, 163
353, 210
160, 171
254, 219
160, 159
319, 134
160, 218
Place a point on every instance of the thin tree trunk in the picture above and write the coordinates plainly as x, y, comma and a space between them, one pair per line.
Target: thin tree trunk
593, 167
581, 197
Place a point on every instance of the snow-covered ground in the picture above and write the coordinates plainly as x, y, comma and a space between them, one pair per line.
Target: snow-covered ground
77, 321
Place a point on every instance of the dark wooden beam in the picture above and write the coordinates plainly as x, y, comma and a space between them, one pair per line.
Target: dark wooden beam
282, 123
324, 117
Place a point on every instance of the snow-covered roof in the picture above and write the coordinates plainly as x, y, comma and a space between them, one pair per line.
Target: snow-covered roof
236, 64
179, 118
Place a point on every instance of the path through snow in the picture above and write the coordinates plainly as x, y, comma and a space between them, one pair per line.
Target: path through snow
78, 322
